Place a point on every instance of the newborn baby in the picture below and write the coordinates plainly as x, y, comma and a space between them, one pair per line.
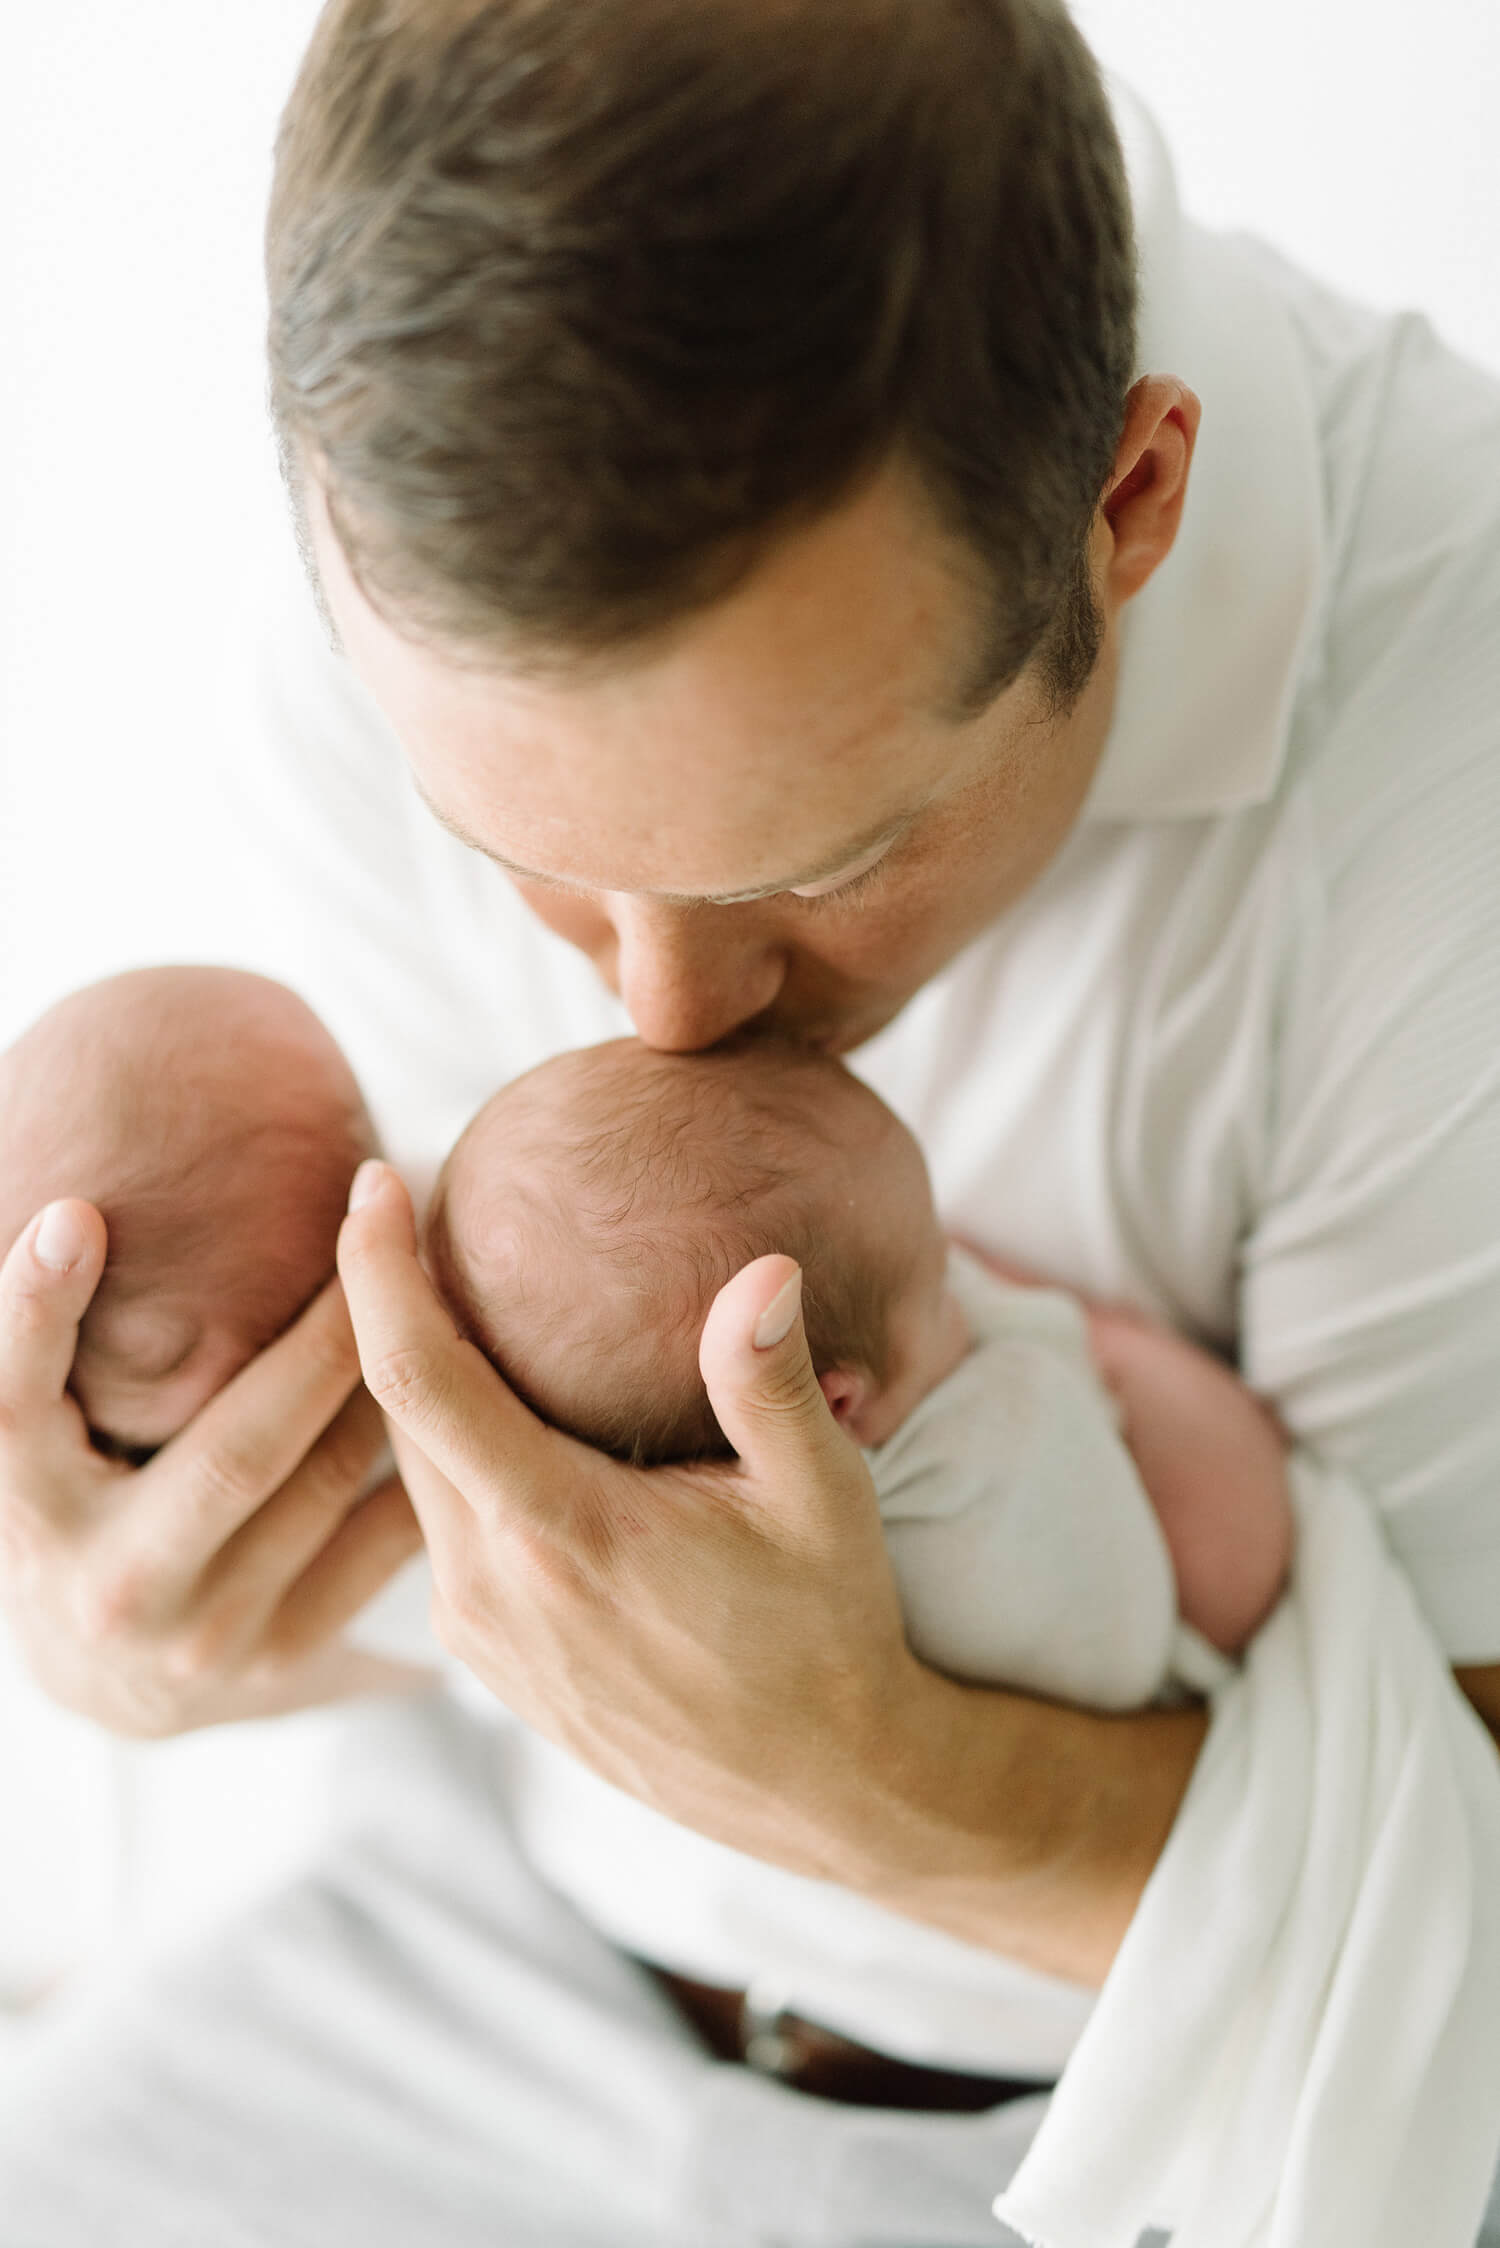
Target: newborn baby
213, 1121
591, 1211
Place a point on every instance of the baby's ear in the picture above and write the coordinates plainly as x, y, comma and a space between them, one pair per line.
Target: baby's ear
847, 1390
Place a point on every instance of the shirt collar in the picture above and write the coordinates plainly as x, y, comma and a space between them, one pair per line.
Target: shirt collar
1212, 647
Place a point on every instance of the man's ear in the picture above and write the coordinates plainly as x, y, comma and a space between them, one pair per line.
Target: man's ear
847, 1390
1143, 501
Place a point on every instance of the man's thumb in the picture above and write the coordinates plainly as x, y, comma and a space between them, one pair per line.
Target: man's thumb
755, 1364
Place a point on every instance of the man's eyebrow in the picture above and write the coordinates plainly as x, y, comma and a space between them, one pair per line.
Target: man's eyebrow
873, 840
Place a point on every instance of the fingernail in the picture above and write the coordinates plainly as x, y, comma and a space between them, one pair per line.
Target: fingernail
775, 1322
366, 1182
60, 1239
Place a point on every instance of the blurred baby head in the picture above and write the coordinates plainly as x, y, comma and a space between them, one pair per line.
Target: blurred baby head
213, 1121
592, 1210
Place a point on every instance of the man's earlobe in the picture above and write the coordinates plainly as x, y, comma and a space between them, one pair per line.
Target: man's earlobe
1148, 488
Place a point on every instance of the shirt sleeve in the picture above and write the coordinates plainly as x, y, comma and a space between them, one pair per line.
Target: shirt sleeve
1370, 1276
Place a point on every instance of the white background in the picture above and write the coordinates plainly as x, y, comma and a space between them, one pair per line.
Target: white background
137, 496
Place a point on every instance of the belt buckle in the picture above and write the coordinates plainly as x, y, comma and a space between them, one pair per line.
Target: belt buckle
767, 2042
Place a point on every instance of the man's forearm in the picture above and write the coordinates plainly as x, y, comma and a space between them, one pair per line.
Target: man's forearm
1032, 1829
1025, 1827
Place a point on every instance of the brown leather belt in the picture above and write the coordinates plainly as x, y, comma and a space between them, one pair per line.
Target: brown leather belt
819, 2061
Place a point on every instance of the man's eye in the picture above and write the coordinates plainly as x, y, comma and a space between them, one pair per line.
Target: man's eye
848, 893
850, 881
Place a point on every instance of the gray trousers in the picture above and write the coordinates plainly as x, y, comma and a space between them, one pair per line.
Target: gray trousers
415, 2044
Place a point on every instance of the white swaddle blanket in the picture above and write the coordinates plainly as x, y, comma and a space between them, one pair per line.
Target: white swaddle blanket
1298, 2045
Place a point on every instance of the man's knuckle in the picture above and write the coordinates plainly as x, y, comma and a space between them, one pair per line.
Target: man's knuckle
465, 1599
197, 1653
558, 1571
29, 1316
406, 1383
335, 1467
273, 1662
331, 1348
353, 1441
227, 1478
114, 1605
784, 1391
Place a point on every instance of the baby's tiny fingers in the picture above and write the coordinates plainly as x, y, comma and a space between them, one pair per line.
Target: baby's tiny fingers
46, 1285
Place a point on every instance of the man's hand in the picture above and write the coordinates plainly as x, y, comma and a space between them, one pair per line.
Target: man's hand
212, 1583
723, 1641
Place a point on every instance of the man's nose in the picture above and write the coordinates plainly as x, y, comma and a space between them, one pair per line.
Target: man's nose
692, 974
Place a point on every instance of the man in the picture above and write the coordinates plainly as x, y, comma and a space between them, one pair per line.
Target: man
734, 468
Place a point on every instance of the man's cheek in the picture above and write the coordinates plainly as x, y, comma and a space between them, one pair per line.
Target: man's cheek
576, 919
890, 946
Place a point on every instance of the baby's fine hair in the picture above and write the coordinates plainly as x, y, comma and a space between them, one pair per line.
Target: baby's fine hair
209, 1116
592, 1210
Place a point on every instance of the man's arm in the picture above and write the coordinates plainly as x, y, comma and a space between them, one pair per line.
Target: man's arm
1097, 1796
1029, 1828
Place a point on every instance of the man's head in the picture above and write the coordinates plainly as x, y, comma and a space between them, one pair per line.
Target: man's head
212, 1120
714, 431
593, 1209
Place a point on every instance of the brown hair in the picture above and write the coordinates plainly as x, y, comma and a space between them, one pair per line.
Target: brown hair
577, 304
590, 1213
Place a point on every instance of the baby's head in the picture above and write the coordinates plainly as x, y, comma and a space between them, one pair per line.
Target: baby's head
214, 1122
592, 1210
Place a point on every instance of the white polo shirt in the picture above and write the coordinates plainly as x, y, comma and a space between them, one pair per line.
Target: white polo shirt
1236, 1055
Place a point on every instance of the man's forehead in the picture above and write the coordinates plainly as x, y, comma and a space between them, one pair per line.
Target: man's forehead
701, 790
764, 744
